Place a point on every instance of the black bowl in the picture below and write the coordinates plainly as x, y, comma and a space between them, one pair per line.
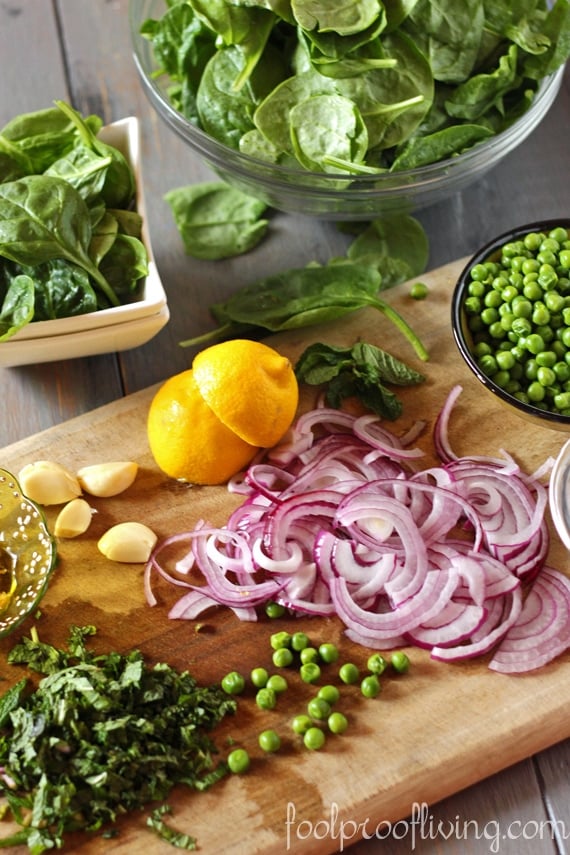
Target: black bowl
463, 336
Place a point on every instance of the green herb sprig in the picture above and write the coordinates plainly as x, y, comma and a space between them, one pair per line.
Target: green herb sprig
360, 371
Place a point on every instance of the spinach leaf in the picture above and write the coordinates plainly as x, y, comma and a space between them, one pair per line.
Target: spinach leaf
124, 266
393, 101
215, 220
396, 246
449, 34
182, 45
118, 187
84, 169
248, 28
556, 28
421, 150
41, 218
326, 130
17, 307
480, 93
344, 19
359, 371
303, 297
61, 289
225, 111
44, 136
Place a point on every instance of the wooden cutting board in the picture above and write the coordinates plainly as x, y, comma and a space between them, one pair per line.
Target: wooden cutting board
430, 733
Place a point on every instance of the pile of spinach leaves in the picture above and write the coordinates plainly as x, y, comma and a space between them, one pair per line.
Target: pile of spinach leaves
102, 734
70, 241
356, 87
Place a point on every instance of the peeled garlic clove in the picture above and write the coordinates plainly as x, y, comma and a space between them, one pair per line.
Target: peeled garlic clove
73, 519
107, 479
48, 483
128, 542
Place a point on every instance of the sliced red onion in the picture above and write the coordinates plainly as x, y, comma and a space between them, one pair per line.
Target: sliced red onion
542, 631
339, 520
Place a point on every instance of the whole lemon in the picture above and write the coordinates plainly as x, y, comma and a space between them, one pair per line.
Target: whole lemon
207, 423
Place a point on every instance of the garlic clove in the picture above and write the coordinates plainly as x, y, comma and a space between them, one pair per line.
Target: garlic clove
107, 479
128, 543
73, 519
48, 483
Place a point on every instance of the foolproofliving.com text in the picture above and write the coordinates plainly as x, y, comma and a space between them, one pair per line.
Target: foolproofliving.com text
420, 825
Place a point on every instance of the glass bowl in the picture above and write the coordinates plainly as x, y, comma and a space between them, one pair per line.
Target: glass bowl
464, 340
325, 195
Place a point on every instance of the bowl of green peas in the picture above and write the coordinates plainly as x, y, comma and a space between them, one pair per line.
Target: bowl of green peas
511, 319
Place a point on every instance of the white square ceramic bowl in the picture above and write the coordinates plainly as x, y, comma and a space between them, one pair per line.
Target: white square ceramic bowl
107, 330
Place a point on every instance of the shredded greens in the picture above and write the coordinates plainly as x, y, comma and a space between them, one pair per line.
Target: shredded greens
101, 734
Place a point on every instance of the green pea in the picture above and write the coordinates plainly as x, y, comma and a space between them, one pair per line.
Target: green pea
521, 326
376, 663
559, 234
314, 738
546, 376
479, 273
564, 259
554, 301
562, 401
496, 330
536, 392
277, 683
530, 265
238, 761
501, 378
493, 299
562, 371
309, 654
473, 305
419, 291
282, 657
482, 348
370, 686
400, 661
269, 741
532, 241
488, 365
532, 290
540, 314
301, 724
328, 652
546, 357
476, 289
531, 369
509, 293
309, 672
505, 360
300, 641
521, 307
329, 693
489, 316
274, 610
266, 699
349, 673
259, 677
337, 722
546, 256
319, 708
534, 343
233, 683
280, 640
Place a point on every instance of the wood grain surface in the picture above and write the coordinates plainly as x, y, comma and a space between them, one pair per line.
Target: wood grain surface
428, 735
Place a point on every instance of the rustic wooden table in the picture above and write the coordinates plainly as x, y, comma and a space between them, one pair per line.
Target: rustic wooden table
79, 50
